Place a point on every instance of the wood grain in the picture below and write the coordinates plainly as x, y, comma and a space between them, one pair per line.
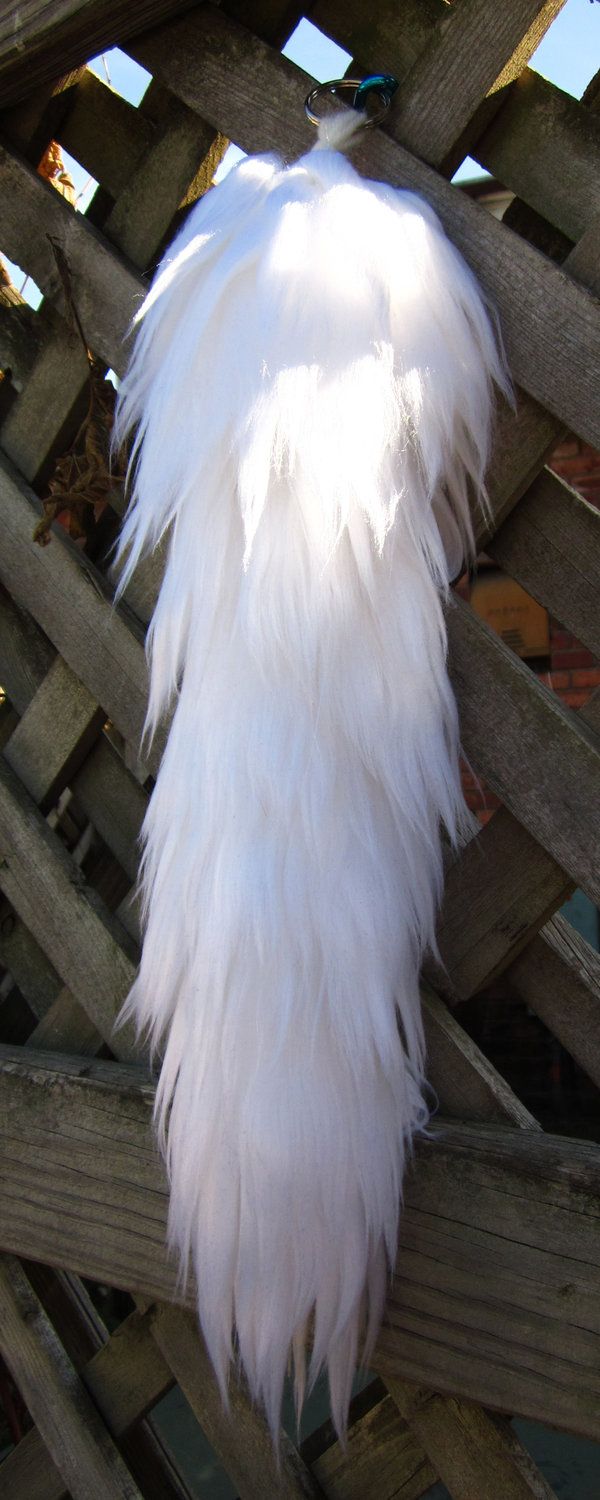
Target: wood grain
544, 146
519, 736
106, 289
382, 1459
63, 1412
124, 1378
481, 1306
558, 976
551, 544
466, 1086
241, 1436
43, 39
477, 1456
83, 941
477, 51
72, 603
498, 893
54, 734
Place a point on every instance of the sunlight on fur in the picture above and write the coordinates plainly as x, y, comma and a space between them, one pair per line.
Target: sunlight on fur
311, 390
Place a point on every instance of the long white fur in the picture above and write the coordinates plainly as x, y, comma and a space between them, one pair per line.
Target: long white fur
311, 389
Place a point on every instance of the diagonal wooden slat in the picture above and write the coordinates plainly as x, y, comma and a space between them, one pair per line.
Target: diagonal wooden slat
508, 717
381, 1458
86, 944
497, 1223
465, 1084
61, 1407
45, 39
477, 1456
544, 146
478, 50
124, 1378
55, 736
551, 544
499, 892
106, 288
558, 976
240, 1436
71, 602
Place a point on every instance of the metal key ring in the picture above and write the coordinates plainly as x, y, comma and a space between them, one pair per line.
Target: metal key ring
377, 83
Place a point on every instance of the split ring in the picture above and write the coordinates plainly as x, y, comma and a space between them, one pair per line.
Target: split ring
382, 84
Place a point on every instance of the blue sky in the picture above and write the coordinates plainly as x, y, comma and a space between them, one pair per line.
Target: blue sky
568, 55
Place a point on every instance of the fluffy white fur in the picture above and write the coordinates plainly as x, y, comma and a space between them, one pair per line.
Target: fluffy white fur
311, 390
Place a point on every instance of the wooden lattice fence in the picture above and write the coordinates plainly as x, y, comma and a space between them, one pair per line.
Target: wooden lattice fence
494, 1309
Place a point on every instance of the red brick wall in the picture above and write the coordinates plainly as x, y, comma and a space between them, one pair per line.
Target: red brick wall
579, 464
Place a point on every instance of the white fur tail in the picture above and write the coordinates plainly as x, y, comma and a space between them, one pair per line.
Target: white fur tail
311, 391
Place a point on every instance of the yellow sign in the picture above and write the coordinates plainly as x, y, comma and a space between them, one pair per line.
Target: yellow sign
512, 613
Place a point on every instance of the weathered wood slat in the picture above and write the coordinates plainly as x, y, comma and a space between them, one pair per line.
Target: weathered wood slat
466, 1085
240, 1437
498, 894
477, 51
66, 1025
26, 655
478, 1457
265, 110
52, 403
105, 287
544, 145
45, 39
66, 1301
113, 801
381, 1459
551, 544
558, 976
28, 1473
19, 327
71, 602
177, 167
370, 36
480, 1303
124, 1378
54, 734
31, 970
125, 1374
58, 1401
104, 133
508, 718
85, 944
169, 159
